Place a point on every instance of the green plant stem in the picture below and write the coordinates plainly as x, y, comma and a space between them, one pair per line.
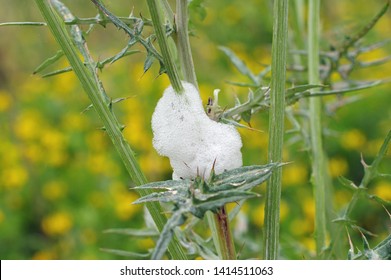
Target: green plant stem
276, 128
112, 127
168, 12
319, 167
183, 43
168, 58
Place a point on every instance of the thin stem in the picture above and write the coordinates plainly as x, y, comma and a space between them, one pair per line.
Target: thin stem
112, 127
227, 245
168, 58
276, 128
183, 43
221, 234
168, 12
319, 170
132, 34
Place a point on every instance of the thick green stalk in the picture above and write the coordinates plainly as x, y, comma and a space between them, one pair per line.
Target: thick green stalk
112, 127
183, 43
319, 168
276, 128
168, 58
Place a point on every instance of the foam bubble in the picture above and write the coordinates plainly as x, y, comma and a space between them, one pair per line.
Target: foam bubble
185, 134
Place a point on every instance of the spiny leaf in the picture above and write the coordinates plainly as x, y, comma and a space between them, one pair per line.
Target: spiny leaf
301, 88
24, 23
148, 62
197, 196
375, 62
220, 200
352, 40
348, 89
124, 52
167, 185
239, 64
166, 234
49, 62
57, 72
246, 176
347, 183
237, 124
380, 200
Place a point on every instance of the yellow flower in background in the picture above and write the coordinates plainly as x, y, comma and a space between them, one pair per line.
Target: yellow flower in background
97, 141
123, 199
353, 140
309, 243
101, 163
14, 177
53, 140
258, 215
154, 165
383, 190
5, 101
300, 227
57, 224
308, 207
57, 157
45, 255
338, 167
146, 243
294, 174
33, 152
64, 84
9, 153
28, 125
74, 121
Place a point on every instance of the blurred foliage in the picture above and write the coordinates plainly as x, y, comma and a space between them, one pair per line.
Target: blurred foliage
62, 184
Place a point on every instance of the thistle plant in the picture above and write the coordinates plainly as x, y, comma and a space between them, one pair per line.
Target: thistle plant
202, 141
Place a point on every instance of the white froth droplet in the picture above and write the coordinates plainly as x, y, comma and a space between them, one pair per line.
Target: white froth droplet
184, 133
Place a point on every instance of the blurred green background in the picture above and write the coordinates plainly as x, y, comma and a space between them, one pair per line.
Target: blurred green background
62, 183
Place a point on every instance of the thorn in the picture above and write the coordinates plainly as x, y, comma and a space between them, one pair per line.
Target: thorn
131, 12
389, 214
350, 241
363, 162
214, 164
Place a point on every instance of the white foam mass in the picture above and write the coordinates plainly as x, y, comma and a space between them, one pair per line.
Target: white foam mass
184, 133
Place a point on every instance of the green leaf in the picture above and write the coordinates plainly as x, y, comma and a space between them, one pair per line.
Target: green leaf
148, 62
243, 178
197, 196
24, 23
246, 116
214, 202
177, 219
347, 183
353, 39
239, 64
49, 62
301, 88
348, 89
